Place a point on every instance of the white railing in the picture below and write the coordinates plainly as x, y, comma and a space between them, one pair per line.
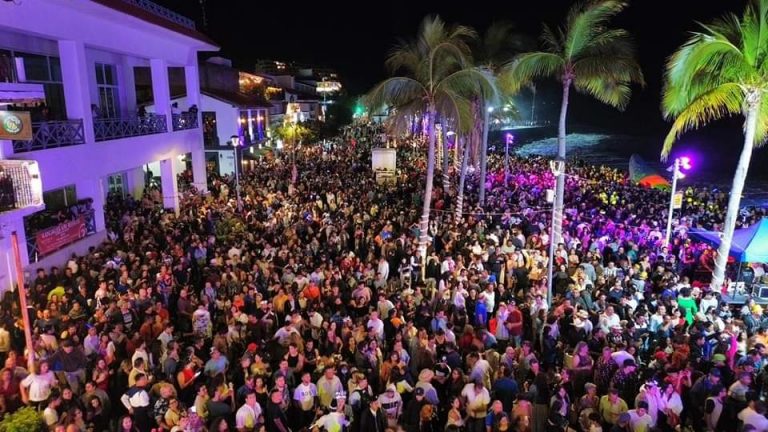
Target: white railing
116, 128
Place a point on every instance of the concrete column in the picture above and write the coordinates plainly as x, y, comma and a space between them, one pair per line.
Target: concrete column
77, 92
9, 225
128, 87
161, 90
136, 181
94, 188
169, 184
197, 150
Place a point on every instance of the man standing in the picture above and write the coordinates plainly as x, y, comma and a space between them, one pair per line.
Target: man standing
477, 399
276, 420
247, 417
136, 401
391, 404
328, 386
373, 419
305, 400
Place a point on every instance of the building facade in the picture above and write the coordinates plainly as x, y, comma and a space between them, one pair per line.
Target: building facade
90, 136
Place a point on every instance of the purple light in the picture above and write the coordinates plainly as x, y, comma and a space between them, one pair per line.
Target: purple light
685, 163
510, 138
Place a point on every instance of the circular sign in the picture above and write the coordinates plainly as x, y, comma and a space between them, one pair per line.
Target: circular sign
12, 124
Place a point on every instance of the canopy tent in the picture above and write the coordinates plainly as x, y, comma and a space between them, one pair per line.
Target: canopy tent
749, 244
643, 174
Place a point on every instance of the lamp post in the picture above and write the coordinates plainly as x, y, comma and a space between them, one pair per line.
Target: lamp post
557, 166
510, 140
484, 155
236, 144
680, 163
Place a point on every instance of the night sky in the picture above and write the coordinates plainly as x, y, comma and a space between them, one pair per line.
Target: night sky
355, 40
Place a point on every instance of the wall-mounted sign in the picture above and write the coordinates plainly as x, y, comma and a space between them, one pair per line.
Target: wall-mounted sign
15, 125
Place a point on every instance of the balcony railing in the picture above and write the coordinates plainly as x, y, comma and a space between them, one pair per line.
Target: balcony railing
156, 9
185, 120
52, 134
116, 128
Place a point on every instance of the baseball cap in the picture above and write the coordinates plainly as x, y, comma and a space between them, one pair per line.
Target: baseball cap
419, 391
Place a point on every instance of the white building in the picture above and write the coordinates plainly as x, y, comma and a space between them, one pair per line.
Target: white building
83, 55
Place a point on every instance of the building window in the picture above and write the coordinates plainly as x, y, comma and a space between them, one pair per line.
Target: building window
60, 199
106, 81
210, 131
39, 69
116, 184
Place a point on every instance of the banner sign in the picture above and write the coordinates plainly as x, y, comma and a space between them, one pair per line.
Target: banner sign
677, 201
15, 125
54, 238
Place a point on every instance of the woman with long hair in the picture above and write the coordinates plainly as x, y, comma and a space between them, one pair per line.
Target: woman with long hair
125, 424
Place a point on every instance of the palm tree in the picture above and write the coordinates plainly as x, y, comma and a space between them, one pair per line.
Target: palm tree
437, 75
587, 55
722, 71
497, 46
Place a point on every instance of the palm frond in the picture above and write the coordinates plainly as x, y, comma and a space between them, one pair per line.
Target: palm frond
552, 42
395, 92
529, 66
704, 62
722, 101
586, 21
609, 91
470, 82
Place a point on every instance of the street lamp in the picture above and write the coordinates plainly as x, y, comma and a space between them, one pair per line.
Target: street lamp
557, 166
681, 163
510, 139
236, 144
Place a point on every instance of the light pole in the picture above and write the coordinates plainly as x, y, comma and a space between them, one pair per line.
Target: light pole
557, 166
236, 145
510, 140
484, 155
684, 163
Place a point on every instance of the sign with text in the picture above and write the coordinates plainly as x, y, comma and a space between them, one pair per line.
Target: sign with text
54, 238
677, 201
15, 125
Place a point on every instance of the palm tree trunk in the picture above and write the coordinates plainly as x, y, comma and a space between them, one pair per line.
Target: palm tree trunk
462, 179
557, 233
734, 200
484, 157
424, 222
446, 163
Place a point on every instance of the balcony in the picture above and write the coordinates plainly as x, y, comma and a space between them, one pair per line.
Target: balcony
185, 120
52, 134
115, 128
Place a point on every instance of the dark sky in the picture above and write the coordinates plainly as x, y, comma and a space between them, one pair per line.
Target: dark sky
355, 40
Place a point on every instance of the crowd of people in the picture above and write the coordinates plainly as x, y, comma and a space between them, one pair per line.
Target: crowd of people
310, 309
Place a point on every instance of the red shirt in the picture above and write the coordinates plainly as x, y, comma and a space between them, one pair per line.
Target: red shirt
515, 317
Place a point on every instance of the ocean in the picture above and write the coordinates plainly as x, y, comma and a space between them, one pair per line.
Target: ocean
714, 155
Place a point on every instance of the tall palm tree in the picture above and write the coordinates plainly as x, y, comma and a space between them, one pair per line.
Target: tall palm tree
722, 71
498, 45
436, 78
587, 55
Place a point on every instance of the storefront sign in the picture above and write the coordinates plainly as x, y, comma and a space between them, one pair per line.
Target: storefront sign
15, 125
54, 238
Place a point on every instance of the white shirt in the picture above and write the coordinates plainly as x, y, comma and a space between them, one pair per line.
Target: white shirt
246, 413
477, 402
378, 327
606, 322
750, 417
639, 423
39, 386
305, 395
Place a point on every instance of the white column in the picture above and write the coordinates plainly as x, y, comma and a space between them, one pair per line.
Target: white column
127, 81
197, 150
74, 75
169, 185
136, 181
7, 259
93, 188
161, 90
